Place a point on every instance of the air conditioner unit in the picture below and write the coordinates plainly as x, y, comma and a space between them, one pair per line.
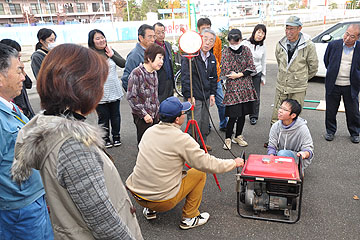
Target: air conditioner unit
76, 1
8, 1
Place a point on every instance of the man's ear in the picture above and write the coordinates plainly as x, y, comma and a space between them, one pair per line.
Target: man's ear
141, 38
293, 115
177, 120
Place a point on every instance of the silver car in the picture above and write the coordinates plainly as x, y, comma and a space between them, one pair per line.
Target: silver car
321, 41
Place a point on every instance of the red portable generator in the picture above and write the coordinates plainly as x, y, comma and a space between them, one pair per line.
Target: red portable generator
271, 186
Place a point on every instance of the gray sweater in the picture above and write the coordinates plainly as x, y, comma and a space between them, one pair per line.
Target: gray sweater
295, 138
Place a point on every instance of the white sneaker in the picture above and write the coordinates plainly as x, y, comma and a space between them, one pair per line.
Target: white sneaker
240, 140
227, 145
201, 219
149, 214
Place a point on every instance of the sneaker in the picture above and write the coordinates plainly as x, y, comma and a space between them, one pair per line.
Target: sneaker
240, 140
253, 121
329, 137
108, 143
149, 214
355, 139
116, 141
201, 219
227, 145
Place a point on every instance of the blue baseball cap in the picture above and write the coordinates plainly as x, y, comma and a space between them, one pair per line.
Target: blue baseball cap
172, 107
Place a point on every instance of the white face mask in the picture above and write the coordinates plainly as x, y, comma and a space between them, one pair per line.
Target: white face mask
51, 46
235, 47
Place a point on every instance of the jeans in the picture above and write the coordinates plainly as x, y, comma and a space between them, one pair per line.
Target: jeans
219, 98
286, 153
28, 223
109, 112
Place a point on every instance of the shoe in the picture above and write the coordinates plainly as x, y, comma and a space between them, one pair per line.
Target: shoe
116, 141
188, 223
253, 121
223, 129
227, 145
329, 137
149, 214
355, 139
208, 148
108, 143
240, 140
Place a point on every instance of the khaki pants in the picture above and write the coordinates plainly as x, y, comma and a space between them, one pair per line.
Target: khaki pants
279, 97
192, 186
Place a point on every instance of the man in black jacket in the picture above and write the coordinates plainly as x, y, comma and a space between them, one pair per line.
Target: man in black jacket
166, 72
342, 61
204, 78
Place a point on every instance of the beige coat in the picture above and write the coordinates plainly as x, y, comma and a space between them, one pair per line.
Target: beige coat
293, 76
163, 151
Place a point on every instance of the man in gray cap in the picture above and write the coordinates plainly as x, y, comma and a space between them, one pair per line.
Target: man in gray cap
297, 63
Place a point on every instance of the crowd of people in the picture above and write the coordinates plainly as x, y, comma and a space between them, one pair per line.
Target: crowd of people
57, 180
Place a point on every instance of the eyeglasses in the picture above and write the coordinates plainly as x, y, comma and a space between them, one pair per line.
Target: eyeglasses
209, 40
284, 109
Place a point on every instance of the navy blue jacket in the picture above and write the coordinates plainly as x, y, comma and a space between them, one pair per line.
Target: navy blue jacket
332, 59
208, 76
133, 60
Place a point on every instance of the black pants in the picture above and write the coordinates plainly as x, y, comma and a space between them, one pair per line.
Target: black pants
257, 82
141, 126
109, 112
351, 110
240, 122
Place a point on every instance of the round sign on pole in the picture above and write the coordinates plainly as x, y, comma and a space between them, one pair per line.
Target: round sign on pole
190, 42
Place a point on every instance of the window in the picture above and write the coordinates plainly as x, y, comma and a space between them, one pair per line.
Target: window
80, 7
69, 8
95, 7
107, 9
35, 9
15, 9
2, 12
50, 8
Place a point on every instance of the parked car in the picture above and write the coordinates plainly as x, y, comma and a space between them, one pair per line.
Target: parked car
321, 41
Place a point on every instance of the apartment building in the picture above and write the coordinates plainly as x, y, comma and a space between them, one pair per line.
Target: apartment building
35, 11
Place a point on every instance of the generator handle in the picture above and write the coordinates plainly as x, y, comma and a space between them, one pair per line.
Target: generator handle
301, 168
242, 155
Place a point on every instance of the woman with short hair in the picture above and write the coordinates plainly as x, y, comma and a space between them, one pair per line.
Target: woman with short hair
84, 191
237, 65
142, 92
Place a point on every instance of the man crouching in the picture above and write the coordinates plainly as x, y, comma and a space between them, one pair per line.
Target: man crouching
158, 182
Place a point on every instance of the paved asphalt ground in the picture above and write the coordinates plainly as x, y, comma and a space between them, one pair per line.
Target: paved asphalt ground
328, 210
